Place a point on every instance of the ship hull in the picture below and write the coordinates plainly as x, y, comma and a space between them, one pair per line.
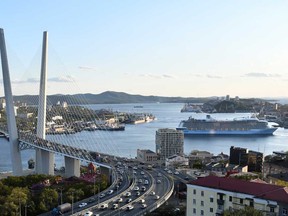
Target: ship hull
267, 131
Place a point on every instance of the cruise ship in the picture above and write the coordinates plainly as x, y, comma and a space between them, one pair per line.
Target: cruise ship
236, 126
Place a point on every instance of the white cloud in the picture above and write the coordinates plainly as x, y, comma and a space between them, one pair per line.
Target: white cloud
62, 79
29, 80
86, 68
163, 76
213, 76
261, 75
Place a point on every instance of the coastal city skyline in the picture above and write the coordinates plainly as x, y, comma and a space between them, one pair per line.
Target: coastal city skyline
186, 48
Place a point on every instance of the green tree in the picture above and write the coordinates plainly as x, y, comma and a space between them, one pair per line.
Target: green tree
48, 199
247, 211
74, 194
16, 201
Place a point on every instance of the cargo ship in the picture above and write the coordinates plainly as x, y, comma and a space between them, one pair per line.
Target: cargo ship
236, 126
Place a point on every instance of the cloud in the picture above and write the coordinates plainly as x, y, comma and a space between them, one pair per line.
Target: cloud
261, 75
86, 68
163, 76
29, 80
213, 76
62, 79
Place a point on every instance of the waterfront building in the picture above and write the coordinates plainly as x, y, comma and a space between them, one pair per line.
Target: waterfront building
238, 156
2, 103
213, 195
147, 156
169, 142
203, 156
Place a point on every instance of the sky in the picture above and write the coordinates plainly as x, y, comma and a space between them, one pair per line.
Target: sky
184, 48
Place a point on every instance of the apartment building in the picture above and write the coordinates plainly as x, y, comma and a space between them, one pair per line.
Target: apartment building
212, 195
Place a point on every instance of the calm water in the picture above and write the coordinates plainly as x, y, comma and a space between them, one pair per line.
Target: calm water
142, 136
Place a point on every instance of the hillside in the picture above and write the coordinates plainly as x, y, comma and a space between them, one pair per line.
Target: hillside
108, 97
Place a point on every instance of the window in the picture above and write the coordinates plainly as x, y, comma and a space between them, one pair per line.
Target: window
194, 191
202, 203
194, 210
272, 209
230, 198
211, 199
251, 203
211, 209
194, 201
284, 212
202, 212
241, 201
202, 193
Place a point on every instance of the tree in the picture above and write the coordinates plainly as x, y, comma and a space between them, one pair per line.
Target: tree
74, 194
48, 199
247, 211
16, 201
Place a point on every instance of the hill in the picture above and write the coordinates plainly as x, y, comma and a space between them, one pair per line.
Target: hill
108, 97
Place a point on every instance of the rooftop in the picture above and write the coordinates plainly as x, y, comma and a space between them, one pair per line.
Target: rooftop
259, 190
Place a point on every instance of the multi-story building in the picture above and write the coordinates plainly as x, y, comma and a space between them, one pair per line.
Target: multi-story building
238, 156
169, 142
147, 156
255, 161
212, 195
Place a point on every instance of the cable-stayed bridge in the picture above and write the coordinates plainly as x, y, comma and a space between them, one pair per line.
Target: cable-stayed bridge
44, 148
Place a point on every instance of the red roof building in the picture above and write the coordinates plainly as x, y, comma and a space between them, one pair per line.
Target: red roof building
212, 195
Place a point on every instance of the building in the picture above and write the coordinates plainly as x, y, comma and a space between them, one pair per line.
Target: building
2, 103
176, 161
203, 156
212, 195
238, 156
255, 161
147, 156
169, 142
25, 115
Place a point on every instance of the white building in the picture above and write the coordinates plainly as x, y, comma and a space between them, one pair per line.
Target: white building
176, 160
212, 195
169, 142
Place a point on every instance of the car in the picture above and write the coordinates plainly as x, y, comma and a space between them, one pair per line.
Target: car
158, 181
135, 168
91, 200
134, 172
136, 188
110, 192
138, 193
152, 193
176, 173
142, 201
115, 206
129, 207
157, 197
159, 174
139, 180
81, 205
119, 200
166, 169
104, 206
88, 213
102, 195
186, 178
169, 171
143, 188
128, 194
142, 173
143, 205
129, 200
146, 182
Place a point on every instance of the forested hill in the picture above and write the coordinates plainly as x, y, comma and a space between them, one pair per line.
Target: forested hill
108, 97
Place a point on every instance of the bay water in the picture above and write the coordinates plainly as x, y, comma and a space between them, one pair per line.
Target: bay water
142, 136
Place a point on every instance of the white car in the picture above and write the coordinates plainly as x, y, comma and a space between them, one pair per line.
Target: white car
136, 188
143, 205
158, 181
115, 206
81, 205
128, 194
152, 193
102, 195
88, 213
129, 208
157, 197
110, 192
119, 200
176, 173
141, 201
104, 206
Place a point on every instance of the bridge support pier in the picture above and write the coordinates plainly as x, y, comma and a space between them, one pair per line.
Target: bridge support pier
47, 162
107, 172
72, 167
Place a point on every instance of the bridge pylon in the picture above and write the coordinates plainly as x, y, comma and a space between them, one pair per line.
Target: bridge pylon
11, 120
44, 159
